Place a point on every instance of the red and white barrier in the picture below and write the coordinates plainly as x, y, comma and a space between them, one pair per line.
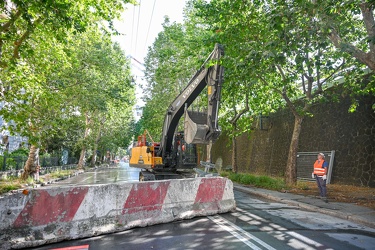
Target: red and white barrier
51, 214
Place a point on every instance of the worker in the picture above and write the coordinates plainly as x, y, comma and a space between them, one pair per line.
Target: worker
320, 174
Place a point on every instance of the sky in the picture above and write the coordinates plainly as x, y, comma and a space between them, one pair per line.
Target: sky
141, 25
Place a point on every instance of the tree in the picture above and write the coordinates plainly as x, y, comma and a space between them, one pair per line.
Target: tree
169, 65
55, 18
234, 28
303, 63
99, 83
115, 131
88, 73
234, 121
280, 50
350, 26
32, 56
31, 100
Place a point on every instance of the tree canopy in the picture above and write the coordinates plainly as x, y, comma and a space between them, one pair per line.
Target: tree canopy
277, 54
59, 69
62, 75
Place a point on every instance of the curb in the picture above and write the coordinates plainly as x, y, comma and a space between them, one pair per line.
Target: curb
51, 181
338, 214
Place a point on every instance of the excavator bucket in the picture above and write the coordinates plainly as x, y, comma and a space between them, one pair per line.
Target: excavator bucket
195, 127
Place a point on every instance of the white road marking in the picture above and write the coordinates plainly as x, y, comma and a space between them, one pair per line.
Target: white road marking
239, 233
297, 242
84, 180
305, 239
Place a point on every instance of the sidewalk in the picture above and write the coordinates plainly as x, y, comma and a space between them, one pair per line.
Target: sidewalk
348, 211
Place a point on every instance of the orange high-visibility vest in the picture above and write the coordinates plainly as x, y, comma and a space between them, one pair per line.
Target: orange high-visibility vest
318, 168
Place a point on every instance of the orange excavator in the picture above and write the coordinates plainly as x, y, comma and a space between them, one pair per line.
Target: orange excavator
176, 155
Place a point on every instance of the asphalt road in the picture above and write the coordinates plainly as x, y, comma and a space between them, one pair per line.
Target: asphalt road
256, 224
116, 173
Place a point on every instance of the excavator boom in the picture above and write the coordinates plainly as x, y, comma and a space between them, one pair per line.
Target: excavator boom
210, 74
177, 150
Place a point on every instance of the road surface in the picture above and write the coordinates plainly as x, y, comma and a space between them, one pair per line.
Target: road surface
116, 173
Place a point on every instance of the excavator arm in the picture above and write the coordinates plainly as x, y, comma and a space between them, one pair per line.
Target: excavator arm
199, 127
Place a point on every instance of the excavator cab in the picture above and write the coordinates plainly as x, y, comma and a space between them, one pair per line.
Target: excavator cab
186, 153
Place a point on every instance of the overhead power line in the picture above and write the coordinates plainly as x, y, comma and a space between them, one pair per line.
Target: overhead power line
136, 38
149, 25
137, 61
131, 41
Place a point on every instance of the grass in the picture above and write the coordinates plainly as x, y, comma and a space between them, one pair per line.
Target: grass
6, 186
260, 181
303, 185
14, 183
29, 180
61, 174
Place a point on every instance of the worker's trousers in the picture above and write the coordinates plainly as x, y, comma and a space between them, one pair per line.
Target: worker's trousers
321, 185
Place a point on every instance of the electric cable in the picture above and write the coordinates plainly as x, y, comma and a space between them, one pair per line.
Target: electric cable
149, 25
136, 37
132, 36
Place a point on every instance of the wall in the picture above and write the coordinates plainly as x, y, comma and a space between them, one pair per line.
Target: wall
332, 127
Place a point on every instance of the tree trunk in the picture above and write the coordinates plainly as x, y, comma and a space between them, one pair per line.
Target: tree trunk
291, 167
31, 163
93, 159
82, 158
363, 57
81, 162
6, 150
234, 154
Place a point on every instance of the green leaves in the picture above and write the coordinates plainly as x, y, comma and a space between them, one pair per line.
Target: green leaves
47, 95
20, 19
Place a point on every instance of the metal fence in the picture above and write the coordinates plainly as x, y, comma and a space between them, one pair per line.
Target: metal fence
305, 163
8, 163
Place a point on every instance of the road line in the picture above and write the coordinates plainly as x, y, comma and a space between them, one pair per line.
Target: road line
84, 180
239, 233
306, 240
297, 237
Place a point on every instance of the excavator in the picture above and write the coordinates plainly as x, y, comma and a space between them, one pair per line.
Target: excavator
176, 154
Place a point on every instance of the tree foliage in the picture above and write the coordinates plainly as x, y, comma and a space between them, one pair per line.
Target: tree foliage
98, 88
61, 75
58, 65
54, 18
174, 57
350, 27
277, 54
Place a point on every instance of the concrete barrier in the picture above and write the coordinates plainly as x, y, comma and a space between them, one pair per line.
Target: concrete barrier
53, 214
